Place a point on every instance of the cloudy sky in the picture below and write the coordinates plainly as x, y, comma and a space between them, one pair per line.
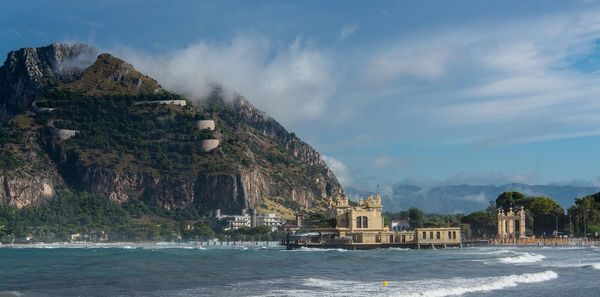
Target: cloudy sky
421, 92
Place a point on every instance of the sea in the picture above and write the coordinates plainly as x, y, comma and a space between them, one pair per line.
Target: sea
173, 269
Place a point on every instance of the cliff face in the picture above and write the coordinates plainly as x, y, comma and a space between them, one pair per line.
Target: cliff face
26, 72
267, 126
33, 179
146, 153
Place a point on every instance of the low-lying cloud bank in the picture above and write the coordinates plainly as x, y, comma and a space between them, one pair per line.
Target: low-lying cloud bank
290, 82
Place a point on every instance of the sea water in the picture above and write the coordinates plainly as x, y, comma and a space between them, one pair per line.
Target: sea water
192, 270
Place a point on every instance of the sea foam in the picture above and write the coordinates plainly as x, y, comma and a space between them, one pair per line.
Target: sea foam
307, 249
522, 258
425, 287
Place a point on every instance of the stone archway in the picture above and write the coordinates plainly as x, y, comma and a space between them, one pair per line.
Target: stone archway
511, 224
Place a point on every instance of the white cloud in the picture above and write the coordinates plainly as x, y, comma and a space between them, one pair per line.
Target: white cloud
339, 168
473, 178
291, 82
425, 60
506, 82
347, 31
592, 182
480, 198
490, 178
384, 162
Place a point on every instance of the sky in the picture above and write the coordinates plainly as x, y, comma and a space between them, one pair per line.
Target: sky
414, 92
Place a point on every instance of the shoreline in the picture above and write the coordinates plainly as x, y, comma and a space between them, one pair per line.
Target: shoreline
144, 244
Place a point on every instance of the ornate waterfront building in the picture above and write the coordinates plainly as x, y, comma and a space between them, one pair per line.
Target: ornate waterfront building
362, 226
509, 221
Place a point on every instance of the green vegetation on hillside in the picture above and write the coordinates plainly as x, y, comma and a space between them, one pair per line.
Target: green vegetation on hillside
91, 215
115, 133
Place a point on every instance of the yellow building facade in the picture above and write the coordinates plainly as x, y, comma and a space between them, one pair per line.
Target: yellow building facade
511, 224
362, 226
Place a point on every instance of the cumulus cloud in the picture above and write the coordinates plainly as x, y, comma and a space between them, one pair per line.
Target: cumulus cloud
290, 82
339, 168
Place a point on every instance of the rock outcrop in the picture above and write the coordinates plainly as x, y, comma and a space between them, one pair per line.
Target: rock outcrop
26, 72
34, 179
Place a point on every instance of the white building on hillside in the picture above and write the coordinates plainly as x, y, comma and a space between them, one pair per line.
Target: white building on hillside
271, 220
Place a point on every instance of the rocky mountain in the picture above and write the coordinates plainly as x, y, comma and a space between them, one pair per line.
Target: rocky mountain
469, 198
28, 71
98, 125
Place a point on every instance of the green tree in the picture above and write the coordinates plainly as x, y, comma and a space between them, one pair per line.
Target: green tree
416, 217
543, 211
507, 200
480, 224
203, 231
585, 215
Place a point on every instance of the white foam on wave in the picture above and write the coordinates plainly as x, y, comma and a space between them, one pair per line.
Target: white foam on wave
10, 294
596, 266
307, 249
522, 258
426, 287
486, 284
486, 251
110, 245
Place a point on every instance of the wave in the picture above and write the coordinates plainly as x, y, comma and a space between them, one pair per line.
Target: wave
397, 249
486, 251
486, 284
423, 288
307, 249
10, 294
522, 258
122, 245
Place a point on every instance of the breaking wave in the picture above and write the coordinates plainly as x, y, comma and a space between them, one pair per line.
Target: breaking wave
486, 251
307, 249
522, 258
426, 287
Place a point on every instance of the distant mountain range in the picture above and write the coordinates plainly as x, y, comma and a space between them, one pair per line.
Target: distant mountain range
467, 198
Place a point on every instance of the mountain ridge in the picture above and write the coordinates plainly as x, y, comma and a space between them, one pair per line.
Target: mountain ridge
466, 198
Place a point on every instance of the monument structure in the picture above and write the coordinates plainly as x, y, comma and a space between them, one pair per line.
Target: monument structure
511, 224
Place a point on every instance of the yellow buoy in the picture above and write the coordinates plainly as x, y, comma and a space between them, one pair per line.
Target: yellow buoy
385, 283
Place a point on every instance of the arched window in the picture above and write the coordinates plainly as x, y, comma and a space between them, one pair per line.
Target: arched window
362, 222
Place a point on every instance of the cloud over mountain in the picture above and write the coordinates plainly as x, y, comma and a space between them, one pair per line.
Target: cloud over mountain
292, 82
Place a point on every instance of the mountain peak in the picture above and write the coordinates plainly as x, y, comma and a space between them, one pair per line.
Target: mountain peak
109, 75
27, 71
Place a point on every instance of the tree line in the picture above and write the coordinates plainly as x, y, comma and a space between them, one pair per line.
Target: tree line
71, 213
544, 217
